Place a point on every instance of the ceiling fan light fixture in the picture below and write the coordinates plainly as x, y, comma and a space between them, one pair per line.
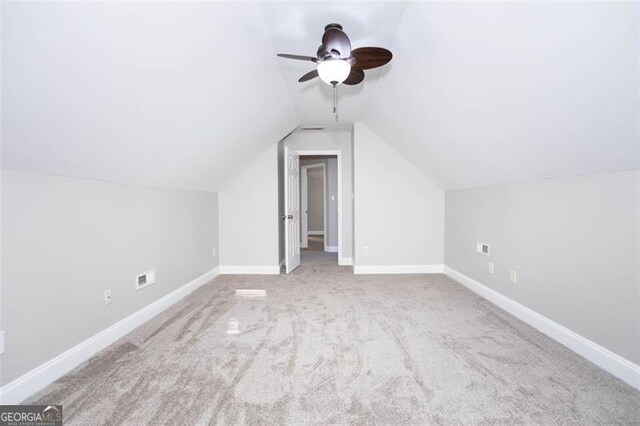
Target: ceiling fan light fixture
334, 71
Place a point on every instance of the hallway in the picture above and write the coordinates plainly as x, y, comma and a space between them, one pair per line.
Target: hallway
314, 254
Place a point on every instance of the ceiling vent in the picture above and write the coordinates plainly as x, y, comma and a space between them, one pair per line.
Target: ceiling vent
312, 128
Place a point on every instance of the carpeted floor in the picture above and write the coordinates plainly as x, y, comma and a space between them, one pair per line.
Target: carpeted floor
314, 254
329, 347
315, 243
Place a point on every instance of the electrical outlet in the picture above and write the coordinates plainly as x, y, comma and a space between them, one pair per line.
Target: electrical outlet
365, 250
107, 296
213, 253
1, 342
491, 267
514, 278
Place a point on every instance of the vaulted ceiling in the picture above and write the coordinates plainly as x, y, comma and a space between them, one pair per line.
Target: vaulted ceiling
182, 95
175, 95
506, 92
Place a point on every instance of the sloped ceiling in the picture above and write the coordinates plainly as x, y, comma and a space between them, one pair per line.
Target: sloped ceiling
504, 92
184, 94
176, 95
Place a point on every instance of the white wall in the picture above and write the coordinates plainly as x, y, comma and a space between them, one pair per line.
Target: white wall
342, 141
249, 215
399, 211
66, 240
573, 243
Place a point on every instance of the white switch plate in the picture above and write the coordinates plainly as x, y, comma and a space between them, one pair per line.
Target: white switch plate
213, 253
1, 342
491, 267
514, 278
365, 250
107, 296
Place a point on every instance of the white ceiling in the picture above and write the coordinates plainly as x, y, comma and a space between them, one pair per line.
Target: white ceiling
182, 95
487, 93
173, 95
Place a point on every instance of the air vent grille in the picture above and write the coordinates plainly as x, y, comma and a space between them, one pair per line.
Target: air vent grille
482, 248
145, 279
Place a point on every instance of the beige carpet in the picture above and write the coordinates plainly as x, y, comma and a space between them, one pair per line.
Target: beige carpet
328, 347
315, 243
314, 254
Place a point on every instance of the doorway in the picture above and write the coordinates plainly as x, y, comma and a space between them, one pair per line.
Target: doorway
313, 194
319, 209
311, 238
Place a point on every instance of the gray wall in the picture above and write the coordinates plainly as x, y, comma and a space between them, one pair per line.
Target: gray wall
249, 221
330, 205
66, 240
573, 243
399, 211
315, 196
280, 172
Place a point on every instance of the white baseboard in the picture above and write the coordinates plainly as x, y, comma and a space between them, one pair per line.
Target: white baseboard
398, 269
315, 233
603, 358
345, 261
28, 384
331, 249
250, 270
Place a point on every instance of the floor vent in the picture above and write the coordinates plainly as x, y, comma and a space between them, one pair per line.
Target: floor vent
251, 293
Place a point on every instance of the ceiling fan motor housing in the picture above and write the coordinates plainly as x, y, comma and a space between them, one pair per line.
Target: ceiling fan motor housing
333, 25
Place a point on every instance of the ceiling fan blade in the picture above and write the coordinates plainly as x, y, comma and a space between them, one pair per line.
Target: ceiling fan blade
298, 57
336, 39
370, 57
355, 77
308, 76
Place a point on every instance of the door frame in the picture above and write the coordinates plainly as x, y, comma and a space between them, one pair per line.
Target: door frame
304, 201
338, 154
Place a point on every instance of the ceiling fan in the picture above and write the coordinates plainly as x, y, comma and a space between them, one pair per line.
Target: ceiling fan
337, 64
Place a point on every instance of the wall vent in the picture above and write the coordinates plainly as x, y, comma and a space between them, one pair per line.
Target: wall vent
145, 279
482, 248
312, 128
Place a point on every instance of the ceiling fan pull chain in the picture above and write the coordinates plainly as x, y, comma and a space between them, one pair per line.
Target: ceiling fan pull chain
335, 100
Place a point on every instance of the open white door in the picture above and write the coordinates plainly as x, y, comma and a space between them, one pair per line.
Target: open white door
304, 207
292, 210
